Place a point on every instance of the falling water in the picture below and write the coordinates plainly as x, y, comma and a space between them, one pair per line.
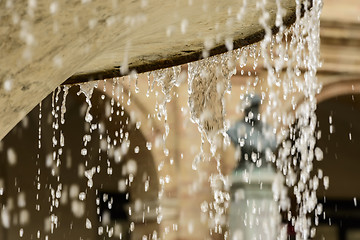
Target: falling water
291, 59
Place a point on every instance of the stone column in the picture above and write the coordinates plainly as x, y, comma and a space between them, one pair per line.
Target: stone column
253, 211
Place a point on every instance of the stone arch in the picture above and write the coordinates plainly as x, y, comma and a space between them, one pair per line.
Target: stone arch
338, 120
139, 109
331, 87
340, 150
101, 153
142, 109
338, 87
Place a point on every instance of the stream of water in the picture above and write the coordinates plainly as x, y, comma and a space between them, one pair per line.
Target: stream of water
279, 69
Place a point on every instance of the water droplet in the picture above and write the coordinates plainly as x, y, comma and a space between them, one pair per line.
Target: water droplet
82, 196
84, 151
148, 145
132, 226
11, 156
8, 84
326, 182
88, 223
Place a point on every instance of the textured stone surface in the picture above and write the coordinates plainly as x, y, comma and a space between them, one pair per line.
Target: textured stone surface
44, 43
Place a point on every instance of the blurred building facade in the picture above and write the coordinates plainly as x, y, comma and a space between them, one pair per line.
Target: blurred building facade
166, 193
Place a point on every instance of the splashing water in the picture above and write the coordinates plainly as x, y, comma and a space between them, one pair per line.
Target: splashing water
291, 59
208, 81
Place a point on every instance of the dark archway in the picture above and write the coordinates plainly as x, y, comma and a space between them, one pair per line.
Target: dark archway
339, 123
89, 207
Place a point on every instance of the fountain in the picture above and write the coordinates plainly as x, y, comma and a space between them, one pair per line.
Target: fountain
93, 181
91, 40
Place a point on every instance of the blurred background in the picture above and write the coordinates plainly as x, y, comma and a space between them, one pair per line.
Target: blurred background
125, 186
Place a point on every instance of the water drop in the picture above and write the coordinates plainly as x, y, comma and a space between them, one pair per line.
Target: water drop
88, 224
11, 156
84, 151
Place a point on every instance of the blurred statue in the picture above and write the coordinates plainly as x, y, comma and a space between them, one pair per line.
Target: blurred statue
255, 138
253, 211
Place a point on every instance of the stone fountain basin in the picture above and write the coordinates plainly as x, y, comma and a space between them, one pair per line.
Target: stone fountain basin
45, 44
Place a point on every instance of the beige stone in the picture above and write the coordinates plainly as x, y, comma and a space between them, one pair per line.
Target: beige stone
42, 44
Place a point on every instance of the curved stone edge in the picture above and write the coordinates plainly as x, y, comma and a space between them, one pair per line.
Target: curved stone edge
183, 58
